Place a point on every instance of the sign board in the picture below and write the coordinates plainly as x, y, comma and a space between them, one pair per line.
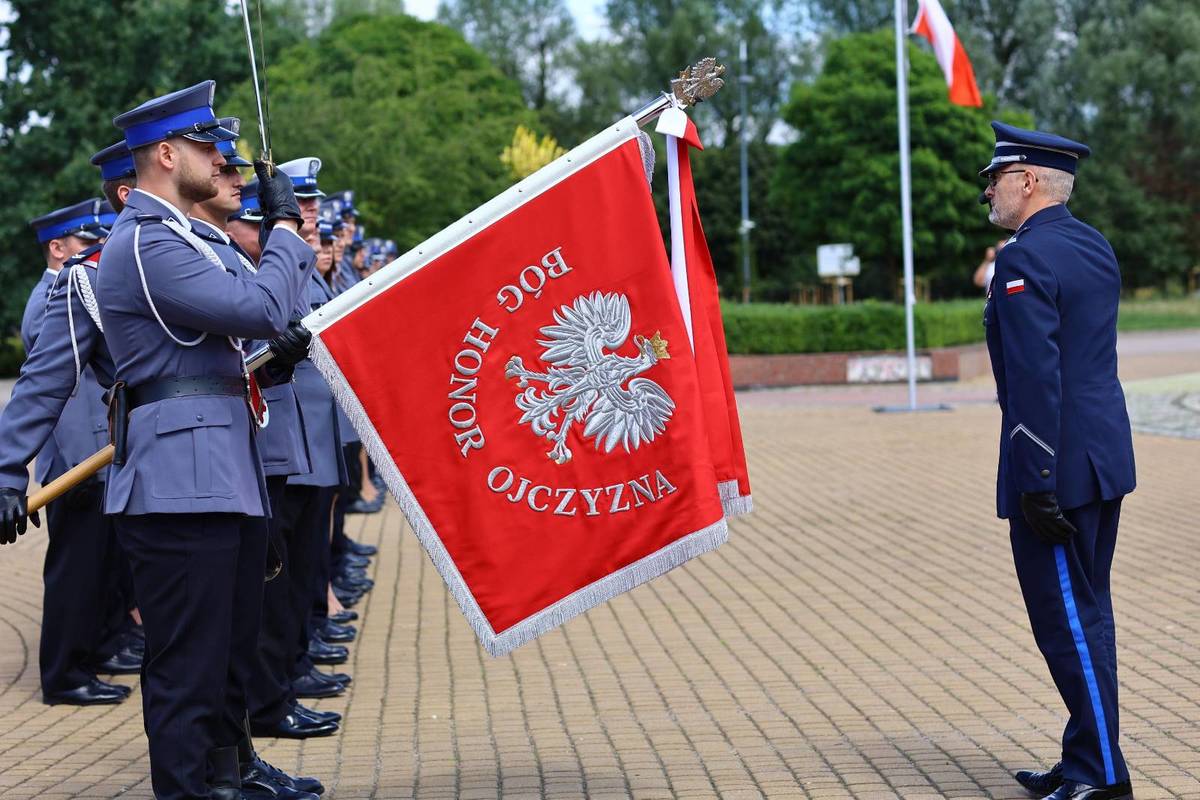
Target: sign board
836, 260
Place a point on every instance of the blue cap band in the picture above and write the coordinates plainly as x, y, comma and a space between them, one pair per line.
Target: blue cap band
159, 129
59, 229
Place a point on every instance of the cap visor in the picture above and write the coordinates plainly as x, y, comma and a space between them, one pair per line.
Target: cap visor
317, 193
217, 134
237, 161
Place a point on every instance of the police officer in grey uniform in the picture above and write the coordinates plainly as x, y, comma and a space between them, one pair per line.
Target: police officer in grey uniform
73, 619
186, 487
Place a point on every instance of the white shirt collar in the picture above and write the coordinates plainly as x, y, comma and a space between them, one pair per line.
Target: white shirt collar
196, 221
179, 216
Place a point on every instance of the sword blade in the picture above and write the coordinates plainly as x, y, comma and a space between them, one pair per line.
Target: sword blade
262, 125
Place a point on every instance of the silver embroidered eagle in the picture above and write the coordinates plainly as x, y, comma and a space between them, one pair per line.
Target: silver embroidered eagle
587, 385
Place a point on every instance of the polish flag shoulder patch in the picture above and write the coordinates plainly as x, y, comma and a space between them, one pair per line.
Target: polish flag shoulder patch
1015, 287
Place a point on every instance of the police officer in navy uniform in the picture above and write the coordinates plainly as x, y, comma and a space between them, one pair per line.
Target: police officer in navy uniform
73, 619
186, 486
1066, 452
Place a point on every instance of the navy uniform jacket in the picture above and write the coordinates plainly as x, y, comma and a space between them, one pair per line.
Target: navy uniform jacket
321, 411
31, 324
47, 382
1051, 320
188, 455
281, 443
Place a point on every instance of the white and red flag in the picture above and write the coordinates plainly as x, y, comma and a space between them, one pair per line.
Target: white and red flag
697, 290
933, 24
523, 381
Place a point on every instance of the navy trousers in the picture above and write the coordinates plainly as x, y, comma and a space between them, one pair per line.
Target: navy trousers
198, 580
1067, 595
307, 513
269, 695
75, 582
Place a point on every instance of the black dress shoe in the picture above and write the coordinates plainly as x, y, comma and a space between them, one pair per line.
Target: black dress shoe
1040, 784
351, 582
322, 653
295, 726
291, 787
347, 599
324, 716
360, 549
93, 693
123, 662
332, 632
310, 687
349, 560
1070, 790
344, 616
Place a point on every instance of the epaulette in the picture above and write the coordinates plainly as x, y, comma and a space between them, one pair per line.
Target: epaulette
148, 218
89, 255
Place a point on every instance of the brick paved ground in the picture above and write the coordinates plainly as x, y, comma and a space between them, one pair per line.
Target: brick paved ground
861, 635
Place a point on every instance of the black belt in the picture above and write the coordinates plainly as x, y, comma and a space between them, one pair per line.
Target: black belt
169, 388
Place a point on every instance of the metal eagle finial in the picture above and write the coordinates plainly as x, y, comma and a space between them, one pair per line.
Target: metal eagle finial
698, 82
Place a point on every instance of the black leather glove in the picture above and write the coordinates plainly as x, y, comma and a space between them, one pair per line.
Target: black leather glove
291, 346
1046, 518
276, 197
13, 517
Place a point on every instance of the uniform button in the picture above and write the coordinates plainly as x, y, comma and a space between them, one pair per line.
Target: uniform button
200, 418
1045, 473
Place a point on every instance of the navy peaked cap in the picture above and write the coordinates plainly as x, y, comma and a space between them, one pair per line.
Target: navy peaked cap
187, 112
228, 147
108, 214
114, 161
1019, 146
81, 219
250, 210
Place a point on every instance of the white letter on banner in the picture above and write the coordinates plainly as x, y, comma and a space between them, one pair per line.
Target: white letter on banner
516, 295
566, 495
470, 354
554, 260
471, 440
663, 485
507, 481
484, 330
467, 421
591, 496
532, 503
536, 291
641, 489
616, 503
520, 490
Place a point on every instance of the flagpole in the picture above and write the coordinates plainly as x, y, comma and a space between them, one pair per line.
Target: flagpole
906, 199
910, 297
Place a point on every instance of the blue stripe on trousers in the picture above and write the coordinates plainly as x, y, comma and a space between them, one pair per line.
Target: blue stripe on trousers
1085, 658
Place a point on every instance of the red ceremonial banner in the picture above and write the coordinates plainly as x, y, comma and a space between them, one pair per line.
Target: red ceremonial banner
697, 289
529, 395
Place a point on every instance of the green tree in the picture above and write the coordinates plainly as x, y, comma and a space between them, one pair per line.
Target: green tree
839, 181
526, 39
60, 91
405, 112
1133, 79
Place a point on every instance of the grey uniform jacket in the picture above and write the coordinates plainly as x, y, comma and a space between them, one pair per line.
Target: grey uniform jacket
172, 316
320, 411
46, 384
281, 443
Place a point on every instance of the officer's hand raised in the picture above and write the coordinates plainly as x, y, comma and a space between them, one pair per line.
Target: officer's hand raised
276, 197
13, 517
291, 346
1046, 518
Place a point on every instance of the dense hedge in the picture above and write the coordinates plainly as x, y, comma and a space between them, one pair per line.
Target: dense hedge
12, 354
770, 328
779, 328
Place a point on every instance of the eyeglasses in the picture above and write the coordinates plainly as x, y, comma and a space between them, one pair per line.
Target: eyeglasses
994, 178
